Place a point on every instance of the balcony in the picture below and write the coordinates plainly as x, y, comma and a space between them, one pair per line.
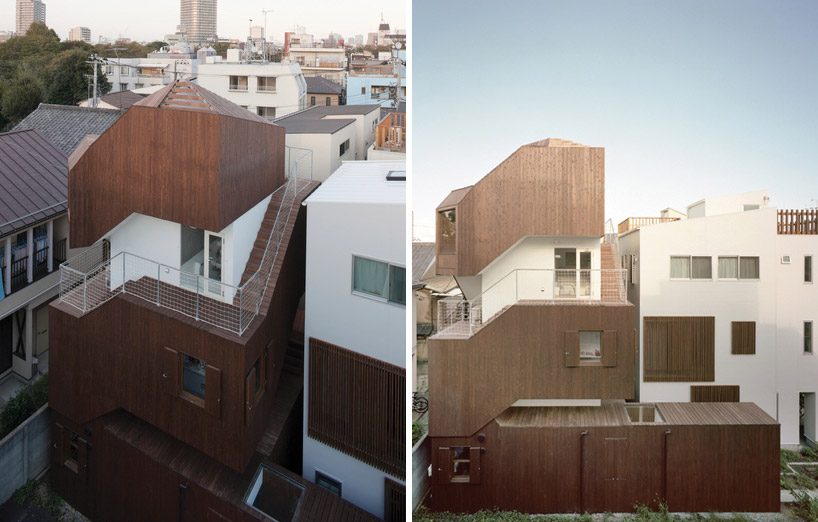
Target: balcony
798, 222
462, 318
390, 134
92, 278
636, 222
18, 278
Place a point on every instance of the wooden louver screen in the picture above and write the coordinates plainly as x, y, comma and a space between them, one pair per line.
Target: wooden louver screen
356, 405
714, 394
744, 337
394, 501
679, 349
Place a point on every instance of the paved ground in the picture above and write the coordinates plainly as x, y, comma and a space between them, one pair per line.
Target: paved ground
14, 512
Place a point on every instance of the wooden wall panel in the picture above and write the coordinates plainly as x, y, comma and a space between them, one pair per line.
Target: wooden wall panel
203, 182
521, 355
550, 191
679, 349
714, 393
743, 337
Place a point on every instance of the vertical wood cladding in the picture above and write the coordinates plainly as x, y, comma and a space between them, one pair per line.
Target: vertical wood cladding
550, 191
679, 349
744, 337
202, 161
521, 354
714, 394
394, 501
357, 406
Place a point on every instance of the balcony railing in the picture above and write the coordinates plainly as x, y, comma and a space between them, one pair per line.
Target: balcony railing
636, 222
801, 222
463, 317
89, 279
19, 274
390, 134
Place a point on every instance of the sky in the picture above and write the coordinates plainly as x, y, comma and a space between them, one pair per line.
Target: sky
149, 20
689, 99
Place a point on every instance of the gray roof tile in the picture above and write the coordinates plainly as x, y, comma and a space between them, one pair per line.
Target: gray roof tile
65, 125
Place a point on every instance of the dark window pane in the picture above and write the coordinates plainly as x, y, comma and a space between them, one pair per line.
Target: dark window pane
397, 284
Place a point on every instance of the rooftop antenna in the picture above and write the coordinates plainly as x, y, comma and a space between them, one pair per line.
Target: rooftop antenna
264, 12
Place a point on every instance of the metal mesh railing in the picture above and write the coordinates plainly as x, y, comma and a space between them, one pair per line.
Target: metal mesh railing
463, 317
89, 279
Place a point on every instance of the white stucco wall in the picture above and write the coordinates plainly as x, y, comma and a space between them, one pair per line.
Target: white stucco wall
336, 232
325, 148
290, 91
727, 204
239, 238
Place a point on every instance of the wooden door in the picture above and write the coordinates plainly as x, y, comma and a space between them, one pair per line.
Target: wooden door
614, 466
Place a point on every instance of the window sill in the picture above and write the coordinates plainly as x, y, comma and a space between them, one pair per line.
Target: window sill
378, 299
192, 399
460, 480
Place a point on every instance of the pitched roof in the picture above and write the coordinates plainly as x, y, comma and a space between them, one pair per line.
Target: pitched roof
187, 96
123, 99
34, 177
314, 119
454, 197
66, 125
422, 256
319, 85
554, 142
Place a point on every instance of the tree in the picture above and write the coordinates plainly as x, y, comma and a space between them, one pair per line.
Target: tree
21, 95
69, 84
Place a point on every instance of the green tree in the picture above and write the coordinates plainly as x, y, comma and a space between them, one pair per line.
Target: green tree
69, 84
21, 95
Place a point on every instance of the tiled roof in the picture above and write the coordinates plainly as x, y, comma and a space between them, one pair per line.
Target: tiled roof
34, 177
422, 256
66, 125
314, 120
318, 85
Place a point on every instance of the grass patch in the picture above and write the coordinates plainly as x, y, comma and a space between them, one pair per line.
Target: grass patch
25, 402
642, 514
418, 429
40, 494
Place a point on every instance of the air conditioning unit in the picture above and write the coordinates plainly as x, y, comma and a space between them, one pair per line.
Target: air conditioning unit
785, 260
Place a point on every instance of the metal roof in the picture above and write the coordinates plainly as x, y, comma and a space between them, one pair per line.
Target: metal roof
66, 125
185, 95
34, 177
314, 120
319, 85
362, 182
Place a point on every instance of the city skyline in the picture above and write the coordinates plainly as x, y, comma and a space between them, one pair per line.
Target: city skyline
154, 19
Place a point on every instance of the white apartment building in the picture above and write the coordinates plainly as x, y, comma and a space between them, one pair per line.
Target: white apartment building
79, 34
744, 271
28, 12
159, 68
270, 90
327, 62
355, 321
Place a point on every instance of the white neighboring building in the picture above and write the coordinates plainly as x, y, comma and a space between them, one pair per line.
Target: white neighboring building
355, 310
728, 261
334, 134
270, 89
177, 62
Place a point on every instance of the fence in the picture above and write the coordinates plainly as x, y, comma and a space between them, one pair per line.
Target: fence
791, 222
462, 317
93, 277
24, 453
421, 460
636, 222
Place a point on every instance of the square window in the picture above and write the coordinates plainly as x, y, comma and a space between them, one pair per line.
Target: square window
328, 483
370, 277
460, 464
193, 377
702, 268
679, 267
748, 268
590, 347
728, 268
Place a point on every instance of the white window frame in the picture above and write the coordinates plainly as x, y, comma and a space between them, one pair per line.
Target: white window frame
738, 268
690, 268
374, 297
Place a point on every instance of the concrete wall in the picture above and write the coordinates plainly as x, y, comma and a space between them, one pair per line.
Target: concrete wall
239, 238
421, 460
25, 452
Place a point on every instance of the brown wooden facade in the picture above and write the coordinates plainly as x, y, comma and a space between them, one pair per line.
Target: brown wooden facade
544, 188
197, 157
552, 460
522, 354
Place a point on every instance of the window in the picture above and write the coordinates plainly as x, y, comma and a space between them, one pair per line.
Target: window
329, 101
343, 147
447, 230
808, 269
807, 336
735, 267
750, 207
312, 104
238, 83
691, 267
379, 279
73, 457
642, 414
268, 113
123, 86
328, 483
123, 71
254, 385
460, 464
363, 90
109, 70
590, 347
679, 349
266, 84
193, 377
351, 393
185, 376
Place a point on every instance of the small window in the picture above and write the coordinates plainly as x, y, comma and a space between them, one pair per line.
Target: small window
734, 267
312, 101
123, 71
123, 86
328, 483
397, 284
193, 377
728, 268
807, 336
590, 347
363, 90
266, 84
679, 267
268, 113
751, 207
748, 267
702, 268
109, 70
447, 238
641, 414
461, 464
344, 146
329, 101
691, 267
73, 445
808, 269
238, 83
379, 279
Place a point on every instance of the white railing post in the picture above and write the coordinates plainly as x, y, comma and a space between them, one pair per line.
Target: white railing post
158, 275
197, 297
84, 292
124, 258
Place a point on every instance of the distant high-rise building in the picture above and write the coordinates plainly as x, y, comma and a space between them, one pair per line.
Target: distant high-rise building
199, 19
79, 34
28, 12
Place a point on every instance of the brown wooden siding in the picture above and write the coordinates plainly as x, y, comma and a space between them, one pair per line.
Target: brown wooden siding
714, 393
521, 355
207, 174
357, 406
551, 191
744, 337
394, 501
679, 349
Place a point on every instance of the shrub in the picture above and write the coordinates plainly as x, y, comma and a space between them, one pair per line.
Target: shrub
25, 402
805, 506
418, 429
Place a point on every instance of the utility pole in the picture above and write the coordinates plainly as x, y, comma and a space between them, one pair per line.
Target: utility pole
94, 60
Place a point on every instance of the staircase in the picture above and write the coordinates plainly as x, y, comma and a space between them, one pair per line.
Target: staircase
263, 236
294, 357
610, 280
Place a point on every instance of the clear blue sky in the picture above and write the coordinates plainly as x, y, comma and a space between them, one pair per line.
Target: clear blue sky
690, 99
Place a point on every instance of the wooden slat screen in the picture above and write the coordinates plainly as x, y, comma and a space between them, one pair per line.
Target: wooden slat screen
744, 337
571, 348
714, 394
394, 501
798, 222
357, 406
679, 349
